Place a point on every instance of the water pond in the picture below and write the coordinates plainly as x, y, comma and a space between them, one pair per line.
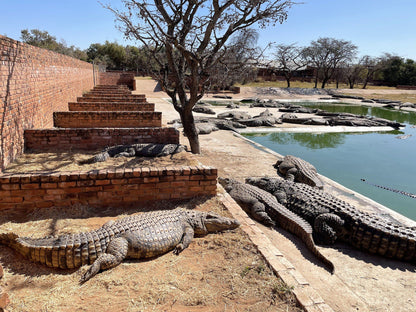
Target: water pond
378, 157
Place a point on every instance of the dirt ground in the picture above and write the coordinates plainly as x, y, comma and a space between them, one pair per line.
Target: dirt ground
221, 272
218, 272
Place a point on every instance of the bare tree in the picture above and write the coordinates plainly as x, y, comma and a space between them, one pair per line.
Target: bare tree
290, 59
239, 60
370, 66
353, 72
326, 54
187, 37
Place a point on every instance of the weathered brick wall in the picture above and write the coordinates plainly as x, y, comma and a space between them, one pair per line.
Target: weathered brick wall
47, 140
105, 188
107, 119
34, 82
100, 106
117, 78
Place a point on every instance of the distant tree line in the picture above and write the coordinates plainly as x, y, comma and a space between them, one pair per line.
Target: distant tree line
331, 59
336, 60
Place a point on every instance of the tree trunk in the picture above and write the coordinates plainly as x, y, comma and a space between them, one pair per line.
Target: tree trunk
316, 81
288, 82
323, 83
189, 129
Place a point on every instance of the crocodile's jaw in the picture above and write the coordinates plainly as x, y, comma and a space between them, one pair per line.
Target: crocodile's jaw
216, 223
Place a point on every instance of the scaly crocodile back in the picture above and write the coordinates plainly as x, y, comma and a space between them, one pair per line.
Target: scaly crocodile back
364, 231
280, 214
306, 172
160, 231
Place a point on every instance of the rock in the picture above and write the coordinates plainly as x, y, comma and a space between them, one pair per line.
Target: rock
4, 299
1, 271
367, 101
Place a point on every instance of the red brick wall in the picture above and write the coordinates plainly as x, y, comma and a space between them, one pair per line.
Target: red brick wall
100, 106
107, 119
105, 188
48, 140
34, 82
117, 78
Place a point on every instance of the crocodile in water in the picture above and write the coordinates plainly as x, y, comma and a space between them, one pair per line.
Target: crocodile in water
131, 150
296, 169
334, 219
144, 235
265, 208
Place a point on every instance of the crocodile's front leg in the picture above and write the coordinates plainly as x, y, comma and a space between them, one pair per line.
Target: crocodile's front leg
187, 237
116, 252
326, 227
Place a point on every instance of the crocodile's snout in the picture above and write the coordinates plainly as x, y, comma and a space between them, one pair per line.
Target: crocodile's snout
217, 223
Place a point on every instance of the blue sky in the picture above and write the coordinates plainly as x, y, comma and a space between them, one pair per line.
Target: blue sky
375, 26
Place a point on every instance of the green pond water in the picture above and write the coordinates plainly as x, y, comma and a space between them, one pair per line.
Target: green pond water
379, 157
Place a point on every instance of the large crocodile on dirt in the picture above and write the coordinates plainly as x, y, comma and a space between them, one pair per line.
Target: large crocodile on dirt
298, 170
131, 150
264, 207
334, 219
144, 235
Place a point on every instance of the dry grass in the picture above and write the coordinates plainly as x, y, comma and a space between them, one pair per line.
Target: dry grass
41, 162
299, 84
218, 272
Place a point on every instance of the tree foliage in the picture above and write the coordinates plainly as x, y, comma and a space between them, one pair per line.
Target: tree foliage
187, 39
43, 39
327, 54
290, 58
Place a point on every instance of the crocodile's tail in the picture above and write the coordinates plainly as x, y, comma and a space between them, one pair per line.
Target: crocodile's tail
302, 229
384, 239
96, 158
65, 252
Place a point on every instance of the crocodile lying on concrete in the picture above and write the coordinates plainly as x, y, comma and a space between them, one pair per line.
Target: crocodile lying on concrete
298, 170
334, 219
131, 150
264, 207
143, 235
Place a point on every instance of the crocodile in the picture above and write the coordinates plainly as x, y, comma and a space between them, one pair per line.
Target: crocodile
336, 220
266, 121
264, 207
144, 235
131, 150
296, 169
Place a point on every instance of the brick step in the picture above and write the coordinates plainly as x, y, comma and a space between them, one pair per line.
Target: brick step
85, 139
114, 87
129, 98
107, 119
107, 93
121, 106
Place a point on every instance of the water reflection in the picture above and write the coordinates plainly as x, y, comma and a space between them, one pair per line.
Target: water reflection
380, 112
310, 140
